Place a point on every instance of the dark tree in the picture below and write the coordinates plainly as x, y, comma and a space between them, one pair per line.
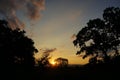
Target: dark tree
61, 62
15, 47
43, 62
100, 39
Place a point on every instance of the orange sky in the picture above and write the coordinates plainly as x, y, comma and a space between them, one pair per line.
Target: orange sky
52, 24
60, 20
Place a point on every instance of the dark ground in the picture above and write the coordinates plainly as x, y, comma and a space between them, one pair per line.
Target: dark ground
89, 72
98, 72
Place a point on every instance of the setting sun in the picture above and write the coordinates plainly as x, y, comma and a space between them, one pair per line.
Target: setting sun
53, 62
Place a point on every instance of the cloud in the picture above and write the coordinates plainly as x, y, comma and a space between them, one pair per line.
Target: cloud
44, 52
31, 8
34, 7
48, 51
73, 37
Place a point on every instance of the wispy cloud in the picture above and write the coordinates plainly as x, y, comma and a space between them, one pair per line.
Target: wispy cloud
48, 51
44, 52
31, 8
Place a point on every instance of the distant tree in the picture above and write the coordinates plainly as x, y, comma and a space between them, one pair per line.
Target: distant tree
61, 62
15, 47
100, 39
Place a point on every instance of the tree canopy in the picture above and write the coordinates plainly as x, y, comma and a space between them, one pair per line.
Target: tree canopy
61, 62
15, 47
100, 39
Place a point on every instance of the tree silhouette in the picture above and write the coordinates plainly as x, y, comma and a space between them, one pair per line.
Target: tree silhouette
100, 39
61, 62
15, 47
44, 60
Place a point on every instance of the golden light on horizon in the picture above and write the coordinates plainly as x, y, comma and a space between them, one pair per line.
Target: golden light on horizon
53, 62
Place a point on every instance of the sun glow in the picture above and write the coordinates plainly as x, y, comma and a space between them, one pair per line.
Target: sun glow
53, 62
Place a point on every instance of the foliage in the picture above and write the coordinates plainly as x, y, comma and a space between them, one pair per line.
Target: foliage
101, 37
61, 62
15, 47
44, 60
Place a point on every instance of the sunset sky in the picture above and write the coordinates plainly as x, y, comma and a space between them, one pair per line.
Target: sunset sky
59, 21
